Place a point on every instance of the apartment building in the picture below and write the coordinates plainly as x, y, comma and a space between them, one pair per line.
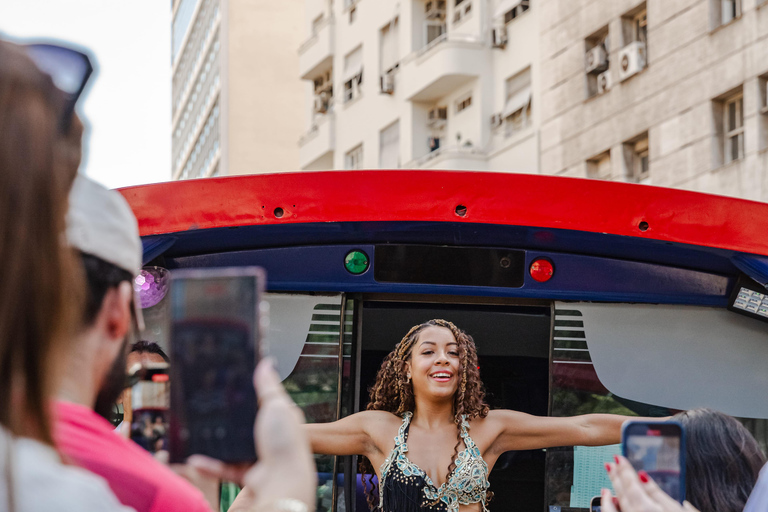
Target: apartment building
432, 84
667, 92
236, 103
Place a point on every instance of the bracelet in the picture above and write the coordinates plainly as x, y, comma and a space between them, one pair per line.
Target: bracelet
285, 505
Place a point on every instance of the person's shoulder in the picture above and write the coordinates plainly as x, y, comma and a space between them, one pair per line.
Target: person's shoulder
380, 422
44, 483
496, 419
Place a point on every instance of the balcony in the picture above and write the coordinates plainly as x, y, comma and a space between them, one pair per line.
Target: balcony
452, 157
316, 54
448, 62
316, 146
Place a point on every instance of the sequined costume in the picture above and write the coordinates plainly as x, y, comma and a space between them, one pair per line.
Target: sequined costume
405, 487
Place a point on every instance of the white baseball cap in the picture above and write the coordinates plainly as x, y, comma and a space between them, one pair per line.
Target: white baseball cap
100, 223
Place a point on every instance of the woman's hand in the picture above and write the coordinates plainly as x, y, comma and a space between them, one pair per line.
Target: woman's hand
637, 492
285, 469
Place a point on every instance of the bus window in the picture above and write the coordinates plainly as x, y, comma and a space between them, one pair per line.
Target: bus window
303, 337
581, 351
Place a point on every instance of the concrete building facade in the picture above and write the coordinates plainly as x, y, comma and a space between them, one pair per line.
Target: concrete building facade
236, 103
667, 92
440, 84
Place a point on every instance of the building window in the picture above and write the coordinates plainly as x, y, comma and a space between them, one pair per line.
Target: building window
461, 12
597, 64
517, 104
353, 74
463, 103
389, 146
632, 56
389, 39
731, 9
724, 11
599, 167
354, 158
508, 10
733, 122
636, 161
323, 101
434, 30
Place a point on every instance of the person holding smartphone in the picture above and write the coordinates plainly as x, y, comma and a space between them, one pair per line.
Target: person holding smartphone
103, 229
429, 398
722, 465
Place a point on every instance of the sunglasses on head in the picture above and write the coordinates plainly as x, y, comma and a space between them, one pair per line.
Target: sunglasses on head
69, 69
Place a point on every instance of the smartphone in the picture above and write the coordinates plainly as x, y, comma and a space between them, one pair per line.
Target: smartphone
149, 402
215, 338
595, 504
658, 448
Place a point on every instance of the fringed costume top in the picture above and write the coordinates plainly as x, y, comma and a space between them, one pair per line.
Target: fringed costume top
404, 487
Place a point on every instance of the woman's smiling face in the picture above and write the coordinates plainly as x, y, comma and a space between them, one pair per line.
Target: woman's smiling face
434, 365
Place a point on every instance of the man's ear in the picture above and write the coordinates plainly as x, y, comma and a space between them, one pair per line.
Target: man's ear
116, 311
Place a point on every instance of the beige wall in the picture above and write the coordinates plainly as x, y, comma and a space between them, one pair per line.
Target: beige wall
690, 64
264, 100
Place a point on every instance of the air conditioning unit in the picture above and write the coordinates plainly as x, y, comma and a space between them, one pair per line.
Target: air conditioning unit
596, 60
631, 60
496, 121
603, 82
321, 105
437, 116
499, 37
388, 83
435, 9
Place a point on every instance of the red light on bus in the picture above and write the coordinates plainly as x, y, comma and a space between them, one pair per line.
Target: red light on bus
541, 270
160, 377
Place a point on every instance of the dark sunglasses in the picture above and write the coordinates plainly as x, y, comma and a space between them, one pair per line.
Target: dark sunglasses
69, 69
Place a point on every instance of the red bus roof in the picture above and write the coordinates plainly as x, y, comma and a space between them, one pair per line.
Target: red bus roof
490, 198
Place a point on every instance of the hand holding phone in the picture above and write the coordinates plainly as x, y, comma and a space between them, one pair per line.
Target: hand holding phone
636, 494
658, 449
215, 338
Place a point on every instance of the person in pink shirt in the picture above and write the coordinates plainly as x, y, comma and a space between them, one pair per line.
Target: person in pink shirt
101, 226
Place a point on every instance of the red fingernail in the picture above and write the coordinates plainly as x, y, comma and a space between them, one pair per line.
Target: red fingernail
607, 467
616, 458
643, 476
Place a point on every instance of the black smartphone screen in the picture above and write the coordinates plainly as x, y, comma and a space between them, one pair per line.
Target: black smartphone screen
658, 448
214, 348
150, 398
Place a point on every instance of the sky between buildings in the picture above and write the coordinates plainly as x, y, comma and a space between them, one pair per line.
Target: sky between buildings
128, 106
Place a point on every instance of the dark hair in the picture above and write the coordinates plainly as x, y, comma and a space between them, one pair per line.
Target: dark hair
39, 284
722, 461
149, 347
101, 277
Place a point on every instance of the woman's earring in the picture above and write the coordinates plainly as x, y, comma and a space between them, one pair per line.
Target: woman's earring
408, 378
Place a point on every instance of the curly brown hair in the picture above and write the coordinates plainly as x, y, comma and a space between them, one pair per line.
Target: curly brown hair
393, 391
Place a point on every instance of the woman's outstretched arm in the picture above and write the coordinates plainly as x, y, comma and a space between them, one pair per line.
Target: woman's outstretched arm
357, 434
520, 431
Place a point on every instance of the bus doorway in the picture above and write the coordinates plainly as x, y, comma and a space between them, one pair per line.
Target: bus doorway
513, 351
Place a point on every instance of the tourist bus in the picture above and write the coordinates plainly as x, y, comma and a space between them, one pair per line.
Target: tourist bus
582, 296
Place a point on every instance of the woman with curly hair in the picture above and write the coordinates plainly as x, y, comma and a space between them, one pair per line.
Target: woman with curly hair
427, 396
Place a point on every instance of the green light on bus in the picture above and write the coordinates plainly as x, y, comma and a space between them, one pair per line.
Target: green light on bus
356, 262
